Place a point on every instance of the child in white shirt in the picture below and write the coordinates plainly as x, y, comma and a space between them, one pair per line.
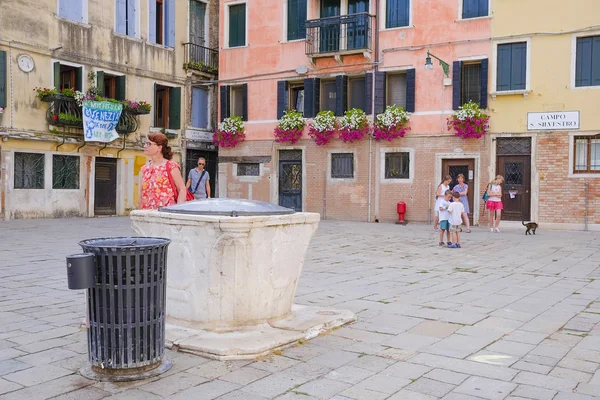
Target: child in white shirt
444, 215
455, 209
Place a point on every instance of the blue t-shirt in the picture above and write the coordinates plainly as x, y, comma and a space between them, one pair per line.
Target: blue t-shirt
194, 175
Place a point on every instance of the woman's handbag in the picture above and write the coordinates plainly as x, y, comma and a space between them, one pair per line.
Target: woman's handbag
486, 195
188, 195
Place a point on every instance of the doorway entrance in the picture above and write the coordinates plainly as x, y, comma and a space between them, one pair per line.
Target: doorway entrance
513, 162
105, 186
454, 167
290, 179
212, 162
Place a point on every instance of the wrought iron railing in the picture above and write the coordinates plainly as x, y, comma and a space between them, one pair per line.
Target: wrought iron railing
201, 58
338, 34
65, 112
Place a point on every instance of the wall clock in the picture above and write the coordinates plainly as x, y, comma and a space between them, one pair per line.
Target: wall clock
25, 62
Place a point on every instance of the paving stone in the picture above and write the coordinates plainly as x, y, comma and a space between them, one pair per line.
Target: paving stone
7, 386
274, 385
172, 384
409, 341
405, 394
461, 396
37, 375
489, 357
588, 388
293, 395
545, 381
9, 366
396, 354
215, 369
508, 347
466, 367
45, 345
323, 388
446, 376
531, 367
305, 352
548, 361
47, 356
487, 388
239, 395
244, 375
573, 396
88, 393
430, 387
534, 392
50, 388
434, 329
334, 359
349, 374
571, 374
525, 337
274, 363
372, 363
578, 365
458, 346
206, 391
134, 394
407, 370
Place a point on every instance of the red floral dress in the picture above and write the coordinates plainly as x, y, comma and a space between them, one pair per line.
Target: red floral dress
156, 187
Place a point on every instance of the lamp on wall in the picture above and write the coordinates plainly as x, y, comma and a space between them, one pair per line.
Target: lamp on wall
444, 64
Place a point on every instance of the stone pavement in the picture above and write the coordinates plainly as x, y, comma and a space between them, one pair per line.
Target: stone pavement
505, 317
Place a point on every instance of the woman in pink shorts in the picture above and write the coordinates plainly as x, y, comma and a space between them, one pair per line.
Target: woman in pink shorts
494, 202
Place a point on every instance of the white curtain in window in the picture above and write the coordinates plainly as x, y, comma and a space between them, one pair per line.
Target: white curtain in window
595, 155
581, 154
396, 90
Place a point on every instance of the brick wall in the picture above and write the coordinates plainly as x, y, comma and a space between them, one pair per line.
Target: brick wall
561, 198
349, 199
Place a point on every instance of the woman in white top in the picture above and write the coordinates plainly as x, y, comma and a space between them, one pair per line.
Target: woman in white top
439, 198
494, 202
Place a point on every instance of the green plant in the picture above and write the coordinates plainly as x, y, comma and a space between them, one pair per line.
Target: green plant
290, 127
200, 66
43, 92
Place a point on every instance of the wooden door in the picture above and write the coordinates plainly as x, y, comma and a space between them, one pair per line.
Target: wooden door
516, 191
453, 167
197, 26
105, 186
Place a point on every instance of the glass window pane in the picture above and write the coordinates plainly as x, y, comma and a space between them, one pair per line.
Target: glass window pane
396, 90
397, 165
65, 172
357, 93
471, 83
29, 171
328, 96
595, 155
237, 101
581, 153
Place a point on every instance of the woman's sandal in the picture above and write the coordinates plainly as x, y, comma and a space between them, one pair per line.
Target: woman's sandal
468, 231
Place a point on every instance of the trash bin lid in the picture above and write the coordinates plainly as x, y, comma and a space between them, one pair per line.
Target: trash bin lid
124, 242
227, 207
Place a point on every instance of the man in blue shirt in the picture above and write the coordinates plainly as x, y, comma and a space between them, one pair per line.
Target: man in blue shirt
197, 181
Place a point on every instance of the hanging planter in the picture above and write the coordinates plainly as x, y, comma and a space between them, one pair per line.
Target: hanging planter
469, 122
353, 125
322, 128
391, 124
290, 127
230, 133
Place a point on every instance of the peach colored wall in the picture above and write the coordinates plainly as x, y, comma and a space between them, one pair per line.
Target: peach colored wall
435, 28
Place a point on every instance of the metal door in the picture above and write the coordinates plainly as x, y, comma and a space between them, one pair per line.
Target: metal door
212, 162
105, 186
290, 179
513, 162
467, 168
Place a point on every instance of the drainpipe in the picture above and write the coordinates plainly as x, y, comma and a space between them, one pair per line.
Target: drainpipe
587, 192
375, 30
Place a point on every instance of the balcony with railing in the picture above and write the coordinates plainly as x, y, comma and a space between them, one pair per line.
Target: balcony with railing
201, 58
340, 35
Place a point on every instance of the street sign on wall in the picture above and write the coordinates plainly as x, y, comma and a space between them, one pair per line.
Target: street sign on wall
552, 121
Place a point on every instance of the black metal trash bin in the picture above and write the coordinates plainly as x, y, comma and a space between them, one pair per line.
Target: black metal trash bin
126, 308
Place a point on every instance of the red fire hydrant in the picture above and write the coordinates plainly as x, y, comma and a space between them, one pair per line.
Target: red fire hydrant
401, 209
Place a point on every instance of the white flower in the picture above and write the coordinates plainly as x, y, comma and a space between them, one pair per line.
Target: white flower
354, 119
469, 110
392, 116
324, 121
79, 97
1, 110
232, 125
291, 120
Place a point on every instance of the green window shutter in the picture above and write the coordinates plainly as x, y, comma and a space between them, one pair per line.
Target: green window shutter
3, 79
296, 18
100, 83
79, 79
57, 75
174, 108
237, 25
120, 88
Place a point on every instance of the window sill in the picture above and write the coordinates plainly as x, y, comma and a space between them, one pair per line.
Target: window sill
289, 41
167, 131
473, 19
525, 93
160, 46
597, 87
235, 47
124, 36
584, 175
398, 28
70, 21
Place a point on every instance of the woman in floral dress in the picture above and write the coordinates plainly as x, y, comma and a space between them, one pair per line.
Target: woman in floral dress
156, 189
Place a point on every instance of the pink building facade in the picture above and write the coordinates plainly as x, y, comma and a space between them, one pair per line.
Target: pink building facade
315, 55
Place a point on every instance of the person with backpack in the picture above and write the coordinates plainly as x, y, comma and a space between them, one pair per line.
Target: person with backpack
198, 180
